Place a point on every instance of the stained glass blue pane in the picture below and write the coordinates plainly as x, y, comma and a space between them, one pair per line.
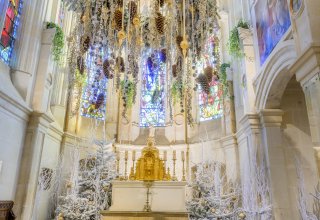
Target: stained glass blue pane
152, 102
95, 92
9, 31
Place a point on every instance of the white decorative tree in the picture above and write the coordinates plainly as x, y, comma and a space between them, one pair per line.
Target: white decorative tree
213, 196
256, 201
302, 197
90, 189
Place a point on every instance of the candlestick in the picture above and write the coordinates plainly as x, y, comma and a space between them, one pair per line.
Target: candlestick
183, 173
126, 164
118, 162
165, 155
182, 156
174, 158
134, 155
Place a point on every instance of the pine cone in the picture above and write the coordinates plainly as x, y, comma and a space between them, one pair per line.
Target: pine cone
118, 19
105, 69
85, 44
208, 71
133, 9
174, 71
80, 64
160, 23
119, 3
203, 81
160, 3
179, 39
120, 64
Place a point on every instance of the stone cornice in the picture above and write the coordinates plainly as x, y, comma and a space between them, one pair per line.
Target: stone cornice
271, 117
229, 141
308, 64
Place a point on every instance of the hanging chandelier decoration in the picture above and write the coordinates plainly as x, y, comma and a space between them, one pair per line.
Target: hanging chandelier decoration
124, 38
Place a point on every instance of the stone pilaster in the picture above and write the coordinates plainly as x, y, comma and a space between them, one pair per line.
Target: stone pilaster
27, 48
231, 152
271, 120
249, 68
30, 164
307, 69
44, 77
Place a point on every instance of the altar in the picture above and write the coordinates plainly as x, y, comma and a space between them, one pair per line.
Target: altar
164, 196
150, 191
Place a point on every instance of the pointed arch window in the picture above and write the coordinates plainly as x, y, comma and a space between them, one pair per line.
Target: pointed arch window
152, 102
211, 104
9, 31
94, 93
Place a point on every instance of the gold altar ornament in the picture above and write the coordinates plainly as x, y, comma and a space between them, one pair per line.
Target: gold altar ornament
149, 166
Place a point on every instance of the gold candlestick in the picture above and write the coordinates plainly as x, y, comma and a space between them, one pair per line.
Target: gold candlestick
126, 164
174, 158
133, 158
183, 173
118, 162
165, 158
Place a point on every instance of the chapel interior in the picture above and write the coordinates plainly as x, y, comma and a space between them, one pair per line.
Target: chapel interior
160, 109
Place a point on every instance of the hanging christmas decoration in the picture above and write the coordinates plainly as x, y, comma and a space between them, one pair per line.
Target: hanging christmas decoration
128, 35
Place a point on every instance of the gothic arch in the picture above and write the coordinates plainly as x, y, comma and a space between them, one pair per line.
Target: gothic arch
274, 77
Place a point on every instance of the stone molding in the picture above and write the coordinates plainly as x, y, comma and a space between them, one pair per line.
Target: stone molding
271, 117
269, 82
229, 142
308, 64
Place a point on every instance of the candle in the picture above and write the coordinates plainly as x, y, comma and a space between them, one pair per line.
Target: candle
118, 155
126, 155
182, 155
165, 155
134, 155
174, 155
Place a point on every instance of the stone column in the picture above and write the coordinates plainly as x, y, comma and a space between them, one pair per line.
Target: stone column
307, 69
44, 77
249, 68
231, 152
271, 120
30, 164
248, 138
27, 48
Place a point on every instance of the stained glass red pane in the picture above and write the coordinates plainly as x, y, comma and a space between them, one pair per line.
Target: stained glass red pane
8, 32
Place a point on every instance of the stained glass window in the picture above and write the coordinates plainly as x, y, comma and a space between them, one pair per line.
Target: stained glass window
152, 103
9, 31
95, 91
210, 105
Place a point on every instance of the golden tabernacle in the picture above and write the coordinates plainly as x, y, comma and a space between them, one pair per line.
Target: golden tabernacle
150, 167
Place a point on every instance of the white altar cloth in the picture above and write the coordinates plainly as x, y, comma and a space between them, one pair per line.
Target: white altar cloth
132, 195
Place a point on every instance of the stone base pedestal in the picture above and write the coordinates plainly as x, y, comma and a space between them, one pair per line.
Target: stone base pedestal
131, 196
106, 215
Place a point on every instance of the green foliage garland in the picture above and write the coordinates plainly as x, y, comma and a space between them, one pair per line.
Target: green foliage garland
176, 91
128, 91
233, 44
58, 41
223, 78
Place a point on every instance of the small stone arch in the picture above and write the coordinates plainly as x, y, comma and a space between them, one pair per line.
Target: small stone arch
274, 77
